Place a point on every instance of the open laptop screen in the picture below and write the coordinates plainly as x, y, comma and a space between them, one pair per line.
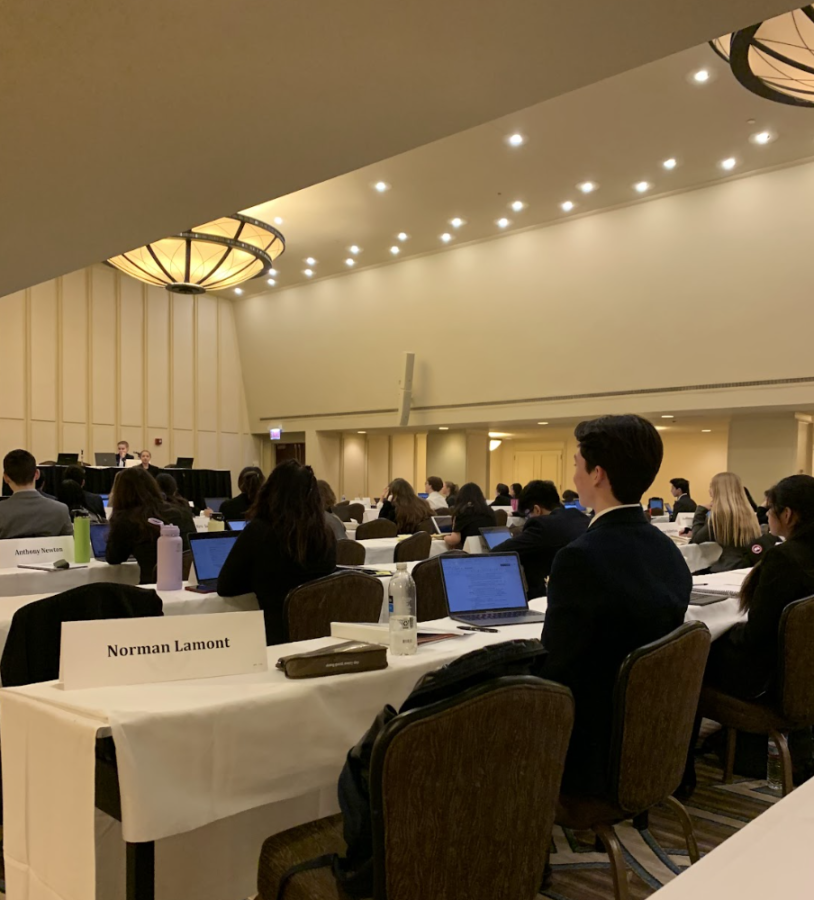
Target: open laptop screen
209, 553
481, 583
443, 524
495, 535
236, 524
214, 503
98, 539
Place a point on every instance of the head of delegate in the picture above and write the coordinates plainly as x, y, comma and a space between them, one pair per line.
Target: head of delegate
249, 482
169, 488
433, 487
27, 513
402, 505
450, 493
146, 459
620, 585
471, 513
682, 502
570, 500
122, 453
328, 498
502, 497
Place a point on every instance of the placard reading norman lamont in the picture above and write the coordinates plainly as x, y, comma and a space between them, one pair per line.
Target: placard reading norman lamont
108, 652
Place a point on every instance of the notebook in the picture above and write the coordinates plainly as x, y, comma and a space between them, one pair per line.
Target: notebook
209, 552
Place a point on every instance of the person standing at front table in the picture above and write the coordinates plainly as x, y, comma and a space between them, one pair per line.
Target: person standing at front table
618, 587
122, 454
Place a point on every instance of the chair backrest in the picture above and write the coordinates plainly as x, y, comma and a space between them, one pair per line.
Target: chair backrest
442, 511
344, 597
413, 548
501, 516
350, 553
378, 528
463, 792
796, 658
431, 601
655, 700
426, 525
357, 512
32, 650
342, 511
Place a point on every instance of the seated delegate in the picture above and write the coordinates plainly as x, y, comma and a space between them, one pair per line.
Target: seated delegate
744, 660
548, 528
730, 521
136, 499
502, 497
570, 500
434, 487
286, 543
249, 482
515, 490
93, 502
471, 513
169, 488
27, 513
450, 494
401, 504
328, 498
683, 503
72, 495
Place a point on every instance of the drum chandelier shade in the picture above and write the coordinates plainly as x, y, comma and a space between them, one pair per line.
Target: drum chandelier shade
774, 59
211, 257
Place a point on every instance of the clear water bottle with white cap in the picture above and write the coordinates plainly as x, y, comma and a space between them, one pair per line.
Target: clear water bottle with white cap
403, 622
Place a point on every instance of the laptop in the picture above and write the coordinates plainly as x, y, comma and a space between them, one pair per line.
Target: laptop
487, 589
443, 524
67, 459
423, 496
105, 498
106, 459
98, 540
184, 462
236, 524
209, 552
214, 503
495, 535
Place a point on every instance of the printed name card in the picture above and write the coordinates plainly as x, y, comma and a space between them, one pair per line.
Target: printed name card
24, 551
109, 652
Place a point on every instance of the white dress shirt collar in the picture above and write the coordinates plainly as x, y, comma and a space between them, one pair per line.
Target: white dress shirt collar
612, 508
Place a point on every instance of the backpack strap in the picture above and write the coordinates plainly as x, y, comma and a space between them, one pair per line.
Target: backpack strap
318, 862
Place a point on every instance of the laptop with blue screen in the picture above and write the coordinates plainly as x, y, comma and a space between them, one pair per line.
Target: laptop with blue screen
209, 552
236, 524
487, 589
98, 540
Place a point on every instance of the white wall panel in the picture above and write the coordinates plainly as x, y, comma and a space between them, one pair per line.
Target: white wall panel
12, 435
74, 362
44, 441
183, 375
43, 351
207, 454
103, 346
158, 357
231, 386
131, 342
12, 354
207, 362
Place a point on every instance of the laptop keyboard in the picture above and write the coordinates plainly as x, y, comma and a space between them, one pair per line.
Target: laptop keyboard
499, 615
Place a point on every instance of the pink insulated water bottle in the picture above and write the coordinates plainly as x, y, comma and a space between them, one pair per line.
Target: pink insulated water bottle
170, 555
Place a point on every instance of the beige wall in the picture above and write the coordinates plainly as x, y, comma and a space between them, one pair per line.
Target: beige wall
94, 357
763, 449
446, 455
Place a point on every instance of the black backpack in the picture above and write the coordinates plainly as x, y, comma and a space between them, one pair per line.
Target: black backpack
354, 872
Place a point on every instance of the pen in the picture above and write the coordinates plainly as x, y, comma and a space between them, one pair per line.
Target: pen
476, 628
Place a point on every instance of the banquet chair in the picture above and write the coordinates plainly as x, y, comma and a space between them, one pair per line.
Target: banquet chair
427, 525
342, 511
378, 528
343, 597
442, 511
449, 819
415, 547
501, 516
356, 511
658, 683
792, 706
350, 553
431, 600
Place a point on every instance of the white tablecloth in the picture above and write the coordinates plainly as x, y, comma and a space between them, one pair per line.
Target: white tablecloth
700, 556
16, 582
381, 550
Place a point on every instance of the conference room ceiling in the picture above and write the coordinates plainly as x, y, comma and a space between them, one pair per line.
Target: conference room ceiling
616, 134
123, 122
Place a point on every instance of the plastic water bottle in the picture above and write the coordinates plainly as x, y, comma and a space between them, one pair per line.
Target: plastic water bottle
403, 628
170, 555
81, 536
774, 777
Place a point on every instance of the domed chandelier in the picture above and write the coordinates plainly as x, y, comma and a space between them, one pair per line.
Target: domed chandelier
774, 59
210, 257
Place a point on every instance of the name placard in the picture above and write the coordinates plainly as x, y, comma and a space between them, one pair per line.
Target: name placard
108, 652
35, 550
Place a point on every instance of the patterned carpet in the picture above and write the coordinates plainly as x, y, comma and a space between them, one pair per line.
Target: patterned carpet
657, 855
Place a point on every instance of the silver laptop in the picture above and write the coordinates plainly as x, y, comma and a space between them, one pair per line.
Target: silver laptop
487, 589
442, 524
105, 459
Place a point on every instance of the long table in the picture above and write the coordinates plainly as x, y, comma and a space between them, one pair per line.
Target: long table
206, 768
16, 582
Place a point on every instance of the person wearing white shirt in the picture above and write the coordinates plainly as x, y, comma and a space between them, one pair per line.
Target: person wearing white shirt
433, 487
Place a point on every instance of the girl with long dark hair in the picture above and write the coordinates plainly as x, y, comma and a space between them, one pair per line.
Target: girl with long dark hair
286, 543
249, 482
402, 505
471, 513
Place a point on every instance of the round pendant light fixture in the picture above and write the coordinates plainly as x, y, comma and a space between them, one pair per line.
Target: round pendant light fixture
774, 59
211, 257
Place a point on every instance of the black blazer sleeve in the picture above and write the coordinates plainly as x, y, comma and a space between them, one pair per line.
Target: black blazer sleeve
701, 530
121, 541
237, 574
388, 511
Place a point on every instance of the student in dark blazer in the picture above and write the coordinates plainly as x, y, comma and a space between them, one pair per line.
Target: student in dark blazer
619, 586
502, 497
680, 489
548, 528
286, 543
122, 454
249, 482
470, 515
93, 502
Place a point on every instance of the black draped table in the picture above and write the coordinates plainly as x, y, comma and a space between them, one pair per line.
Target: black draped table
194, 484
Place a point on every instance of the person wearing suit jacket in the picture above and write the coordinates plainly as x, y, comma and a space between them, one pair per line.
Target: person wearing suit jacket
619, 586
548, 529
26, 513
122, 454
680, 489
93, 502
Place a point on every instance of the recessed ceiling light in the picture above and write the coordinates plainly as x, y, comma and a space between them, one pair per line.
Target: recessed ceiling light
395, 250
238, 290
728, 164
443, 428
446, 237
271, 282
706, 431
762, 137
669, 163
542, 423
668, 416
381, 186
273, 273
309, 260
515, 140
503, 223
350, 262
354, 249
307, 272
278, 220
518, 206
402, 235
361, 432
642, 186
661, 428
567, 206
587, 187
701, 76
456, 222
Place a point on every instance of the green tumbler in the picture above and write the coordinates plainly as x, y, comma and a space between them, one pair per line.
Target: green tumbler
81, 537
